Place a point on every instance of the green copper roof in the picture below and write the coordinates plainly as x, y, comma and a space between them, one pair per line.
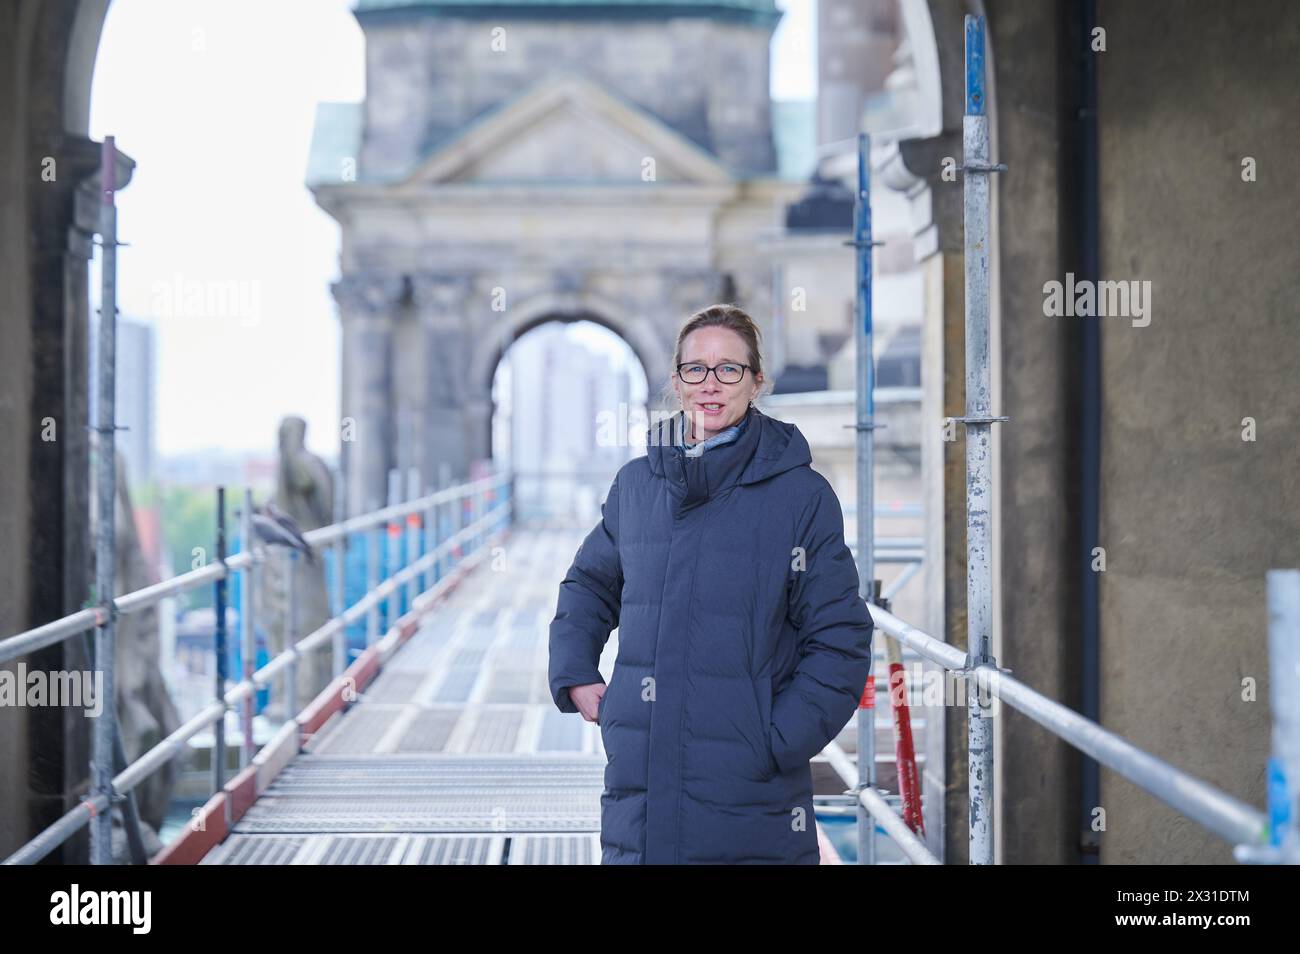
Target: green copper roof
763, 12
794, 134
335, 143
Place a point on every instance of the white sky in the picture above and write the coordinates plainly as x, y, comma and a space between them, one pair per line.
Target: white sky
214, 100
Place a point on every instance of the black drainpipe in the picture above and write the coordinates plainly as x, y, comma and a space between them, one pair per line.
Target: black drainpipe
1090, 423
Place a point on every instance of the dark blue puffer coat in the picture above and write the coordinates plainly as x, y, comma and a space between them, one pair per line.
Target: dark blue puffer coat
743, 647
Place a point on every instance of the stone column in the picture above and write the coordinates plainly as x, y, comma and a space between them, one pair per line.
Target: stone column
443, 435
367, 307
410, 387
478, 425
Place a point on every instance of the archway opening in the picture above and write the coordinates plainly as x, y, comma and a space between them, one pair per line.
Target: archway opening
569, 409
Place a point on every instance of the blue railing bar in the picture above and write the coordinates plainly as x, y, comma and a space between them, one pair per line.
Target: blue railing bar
168, 748
21, 644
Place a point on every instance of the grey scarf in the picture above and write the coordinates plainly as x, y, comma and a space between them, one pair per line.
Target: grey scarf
725, 437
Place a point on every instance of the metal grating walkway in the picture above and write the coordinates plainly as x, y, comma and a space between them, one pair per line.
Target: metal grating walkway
454, 793
455, 754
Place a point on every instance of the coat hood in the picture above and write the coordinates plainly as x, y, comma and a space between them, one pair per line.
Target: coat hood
766, 447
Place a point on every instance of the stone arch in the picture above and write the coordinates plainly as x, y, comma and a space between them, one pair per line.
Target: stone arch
640, 334
79, 67
52, 46
488, 350
642, 337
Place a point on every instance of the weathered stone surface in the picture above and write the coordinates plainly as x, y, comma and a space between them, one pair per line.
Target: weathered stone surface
304, 490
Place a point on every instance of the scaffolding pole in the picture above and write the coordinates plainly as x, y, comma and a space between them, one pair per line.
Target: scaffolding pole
1282, 831
247, 638
979, 457
108, 753
868, 585
219, 642
101, 766
339, 601
393, 559
372, 578
413, 534
290, 563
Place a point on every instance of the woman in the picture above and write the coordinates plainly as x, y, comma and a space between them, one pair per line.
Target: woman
743, 644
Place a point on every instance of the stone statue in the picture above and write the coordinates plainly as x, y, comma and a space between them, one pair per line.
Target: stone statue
146, 713
304, 489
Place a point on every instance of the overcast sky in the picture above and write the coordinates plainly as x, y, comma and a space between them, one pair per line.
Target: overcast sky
214, 100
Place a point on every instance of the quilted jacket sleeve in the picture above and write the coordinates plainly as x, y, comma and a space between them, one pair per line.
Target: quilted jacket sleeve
588, 607
835, 631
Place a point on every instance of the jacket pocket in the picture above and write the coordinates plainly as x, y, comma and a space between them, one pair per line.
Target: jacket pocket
763, 693
600, 706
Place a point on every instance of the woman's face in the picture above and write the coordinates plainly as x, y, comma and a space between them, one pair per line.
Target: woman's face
711, 406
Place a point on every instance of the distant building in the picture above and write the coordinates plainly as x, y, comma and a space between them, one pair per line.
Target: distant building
571, 417
136, 389
533, 161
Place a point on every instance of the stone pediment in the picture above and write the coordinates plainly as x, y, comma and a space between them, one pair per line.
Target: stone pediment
568, 130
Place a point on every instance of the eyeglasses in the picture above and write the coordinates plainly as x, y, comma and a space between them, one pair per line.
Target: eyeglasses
725, 373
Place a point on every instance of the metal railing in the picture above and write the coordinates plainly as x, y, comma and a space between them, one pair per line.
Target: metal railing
1256, 838
489, 502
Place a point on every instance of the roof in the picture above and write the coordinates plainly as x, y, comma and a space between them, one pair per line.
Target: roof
608, 119
794, 134
602, 124
335, 139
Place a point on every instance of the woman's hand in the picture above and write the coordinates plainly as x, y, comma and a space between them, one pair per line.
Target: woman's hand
587, 698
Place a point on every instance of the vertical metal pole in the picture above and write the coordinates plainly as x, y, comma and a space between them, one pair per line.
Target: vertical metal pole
440, 515
372, 579
1283, 588
464, 518
978, 421
444, 517
513, 516
866, 527
472, 499
101, 829
107, 543
290, 632
248, 649
457, 522
394, 547
340, 646
219, 638
476, 517
413, 534
478, 502
429, 576
501, 498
